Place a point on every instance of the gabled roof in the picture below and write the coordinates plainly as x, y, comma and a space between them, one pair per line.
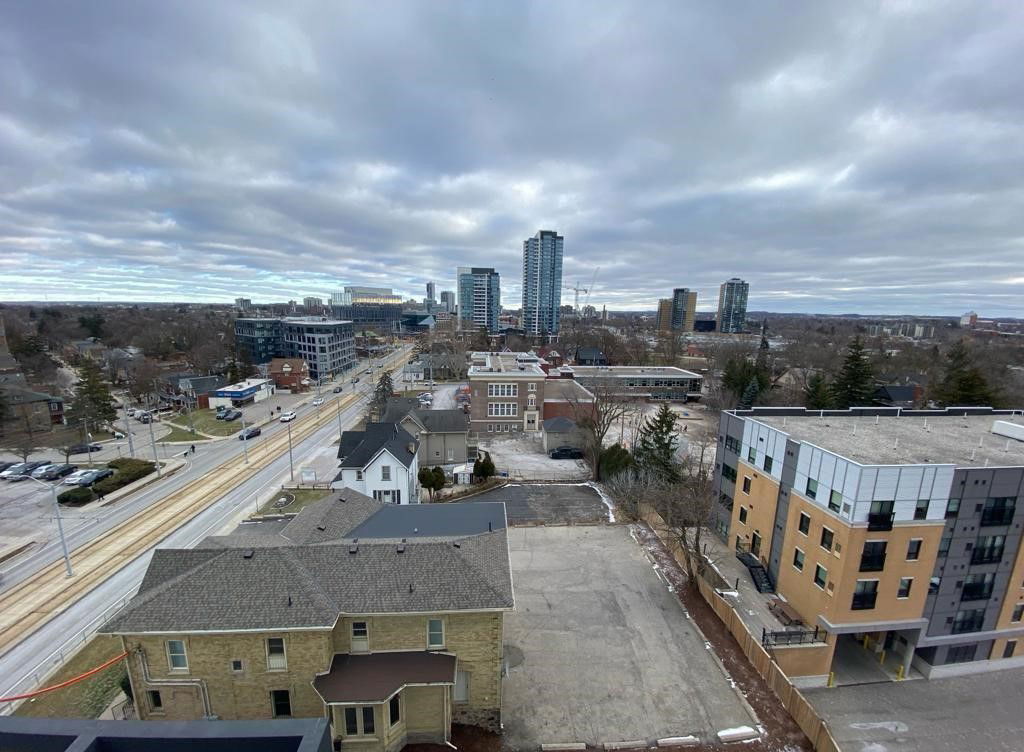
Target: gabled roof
434, 421
358, 448
559, 425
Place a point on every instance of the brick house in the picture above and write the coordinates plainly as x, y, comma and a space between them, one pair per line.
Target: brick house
386, 619
289, 373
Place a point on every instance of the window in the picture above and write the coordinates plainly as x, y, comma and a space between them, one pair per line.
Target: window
751, 455
177, 660
835, 501
944, 544
872, 558
490, 428
746, 485
1018, 612
989, 549
904, 589
998, 511
729, 473
914, 549
880, 515
798, 559
804, 526
156, 703
933, 585
281, 703
385, 472
743, 515
435, 633
767, 464
961, 654
1009, 648
820, 573
921, 510
461, 686
827, 536
969, 620
531, 387
394, 710
236, 666
359, 474
952, 508
360, 636
977, 587
864, 595
353, 716
812, 488
531, 401
732, 444
502, 409
502, 390
276, 658
367, 719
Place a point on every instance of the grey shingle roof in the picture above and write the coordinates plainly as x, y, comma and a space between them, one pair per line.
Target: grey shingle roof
357, 448
559, 425
435, 421
337, 515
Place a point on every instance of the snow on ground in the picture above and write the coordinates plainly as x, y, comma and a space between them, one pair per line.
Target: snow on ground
691, 416
523, 458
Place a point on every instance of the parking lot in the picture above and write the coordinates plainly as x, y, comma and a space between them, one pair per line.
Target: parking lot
548, 503
523, 458
599, 650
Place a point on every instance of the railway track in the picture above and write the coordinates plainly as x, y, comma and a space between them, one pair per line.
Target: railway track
47, 593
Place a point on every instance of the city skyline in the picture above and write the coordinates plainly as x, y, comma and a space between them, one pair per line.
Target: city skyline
834, 175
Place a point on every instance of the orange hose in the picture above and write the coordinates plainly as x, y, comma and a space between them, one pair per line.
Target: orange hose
67, 683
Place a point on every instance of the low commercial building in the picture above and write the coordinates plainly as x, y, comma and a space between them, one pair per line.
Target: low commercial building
896, 529
386, 620
642, 382
243, 393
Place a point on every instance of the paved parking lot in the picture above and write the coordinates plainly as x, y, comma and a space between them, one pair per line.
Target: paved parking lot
981, 712
523, 458
599, 650
548, 503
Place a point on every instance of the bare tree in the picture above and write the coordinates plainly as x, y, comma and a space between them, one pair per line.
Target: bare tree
26, 436
596, 414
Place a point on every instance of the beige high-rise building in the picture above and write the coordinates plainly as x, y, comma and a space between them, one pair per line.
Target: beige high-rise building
665, 314
684, 309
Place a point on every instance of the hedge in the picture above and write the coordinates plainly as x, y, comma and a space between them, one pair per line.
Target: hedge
128, 471
76, 496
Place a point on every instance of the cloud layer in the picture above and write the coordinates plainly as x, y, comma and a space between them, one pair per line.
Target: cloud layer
839, 156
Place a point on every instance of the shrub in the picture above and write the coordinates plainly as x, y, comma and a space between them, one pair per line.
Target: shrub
129, 463
76, 496
125, 474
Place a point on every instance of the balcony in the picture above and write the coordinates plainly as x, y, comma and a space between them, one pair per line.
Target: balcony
994, 517
881, 520
872, 563
973, 624
976, 591
863, 601
987, 555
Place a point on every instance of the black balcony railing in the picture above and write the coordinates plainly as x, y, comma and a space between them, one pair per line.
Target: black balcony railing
987, 555
862, 601
993, 517
872, 563
977, 591
880, 520
974, 624
792, 637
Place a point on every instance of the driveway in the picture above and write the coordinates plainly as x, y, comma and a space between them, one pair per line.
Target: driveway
599, 650
523, 458
548, 503
981, 712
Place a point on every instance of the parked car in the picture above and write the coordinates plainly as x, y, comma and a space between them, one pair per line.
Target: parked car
21, 468
84, 448
222, 408
288, 416
337, 390
54, 472
6, 465
250, 433
318, 401
117, 434
95, 475
355, 380
77, 475
222, 414
566, 453
130, 412
233, 415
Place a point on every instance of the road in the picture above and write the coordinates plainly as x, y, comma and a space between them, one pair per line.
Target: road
28, 661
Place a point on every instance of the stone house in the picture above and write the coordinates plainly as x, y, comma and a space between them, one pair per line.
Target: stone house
387, 620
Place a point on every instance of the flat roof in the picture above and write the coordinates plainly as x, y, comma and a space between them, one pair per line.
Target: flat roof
622, 372
506, 364
376, 677
906, 439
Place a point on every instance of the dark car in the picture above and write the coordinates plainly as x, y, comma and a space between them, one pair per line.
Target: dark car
232, 415
5, 465
53, 472
96, 475
337, 390
355, 380
566, 453
250, 433
84, 448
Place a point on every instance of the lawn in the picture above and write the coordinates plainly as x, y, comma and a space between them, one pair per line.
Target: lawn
301, 497
179, 434
206, 421
89, 697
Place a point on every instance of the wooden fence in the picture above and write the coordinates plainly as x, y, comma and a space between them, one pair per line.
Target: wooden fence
792, 699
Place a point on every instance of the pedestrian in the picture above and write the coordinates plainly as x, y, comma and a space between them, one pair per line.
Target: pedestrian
192, 449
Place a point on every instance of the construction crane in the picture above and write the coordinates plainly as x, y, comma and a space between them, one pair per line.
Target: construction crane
585, 290
590, 287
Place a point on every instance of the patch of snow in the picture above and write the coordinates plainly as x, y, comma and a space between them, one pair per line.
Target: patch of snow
604, 497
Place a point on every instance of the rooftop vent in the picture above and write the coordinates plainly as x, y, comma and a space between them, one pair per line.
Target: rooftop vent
411, 588
456, 544
353, 549
321, 527
400, 549
289, 600
247, 553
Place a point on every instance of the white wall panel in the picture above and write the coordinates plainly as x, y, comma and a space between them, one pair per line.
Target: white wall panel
866, 490
909, 484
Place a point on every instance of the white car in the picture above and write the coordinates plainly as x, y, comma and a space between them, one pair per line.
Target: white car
318, 401
288, 416
72, 480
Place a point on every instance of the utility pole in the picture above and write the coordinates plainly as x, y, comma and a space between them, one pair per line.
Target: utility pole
152, 441
245, 442
128, 433
291, 463
88, 440
60, 525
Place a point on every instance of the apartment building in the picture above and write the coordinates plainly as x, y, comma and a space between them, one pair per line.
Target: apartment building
327, 345
479, 298
732, 305
898, 529
386, 620
684, 309
542, 283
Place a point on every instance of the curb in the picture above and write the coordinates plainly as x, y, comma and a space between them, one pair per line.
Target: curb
636, 744
564, 747
738, 734
679, 741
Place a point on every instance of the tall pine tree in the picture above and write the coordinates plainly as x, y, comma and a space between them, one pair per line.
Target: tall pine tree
93, 402
962, 382
379, 402
656, 445
817, 395
854, 385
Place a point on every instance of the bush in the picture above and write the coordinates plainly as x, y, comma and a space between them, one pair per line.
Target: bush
76, 496
128, 463
126, 473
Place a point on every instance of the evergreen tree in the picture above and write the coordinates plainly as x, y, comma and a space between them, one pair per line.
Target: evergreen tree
614, 460
657, 443
93, 324
750, 394
817, 395
855, 383
438, 478
234, 371
93, 402
379, 402
962, 382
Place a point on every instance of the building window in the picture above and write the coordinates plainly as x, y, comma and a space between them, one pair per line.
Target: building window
798, 559
502, 390
812, 488
359, 721
532, 401
276, 658
914, 549
977, 587
156, 703
281, 702
872, 557
394, 710
236, 666
177, 660
864, 595
743, 515
359, 474
827, 536
998, 511
746, 484
961, 654
733, 444
751, 455
461, 686
435, 633
904, 589
804, 525
969, 620
767, 464
933, 585
385, 472
989, 549
1018, 612
820, 573
1009, 649
944, 542
502, 409
921, 510
835, 501
729, 473
360, 636
952, 508
531, 387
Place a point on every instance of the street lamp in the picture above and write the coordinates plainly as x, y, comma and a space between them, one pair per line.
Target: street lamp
60, 525
291, 464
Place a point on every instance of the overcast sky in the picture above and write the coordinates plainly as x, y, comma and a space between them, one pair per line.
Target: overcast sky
841, 157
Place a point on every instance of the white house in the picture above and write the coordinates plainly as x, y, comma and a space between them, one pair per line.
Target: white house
380, 462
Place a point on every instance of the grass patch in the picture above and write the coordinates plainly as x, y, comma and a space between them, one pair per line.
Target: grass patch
301, 497
89, 697
206, 421
179, 434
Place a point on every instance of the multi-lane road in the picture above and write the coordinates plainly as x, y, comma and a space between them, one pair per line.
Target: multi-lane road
44, 616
